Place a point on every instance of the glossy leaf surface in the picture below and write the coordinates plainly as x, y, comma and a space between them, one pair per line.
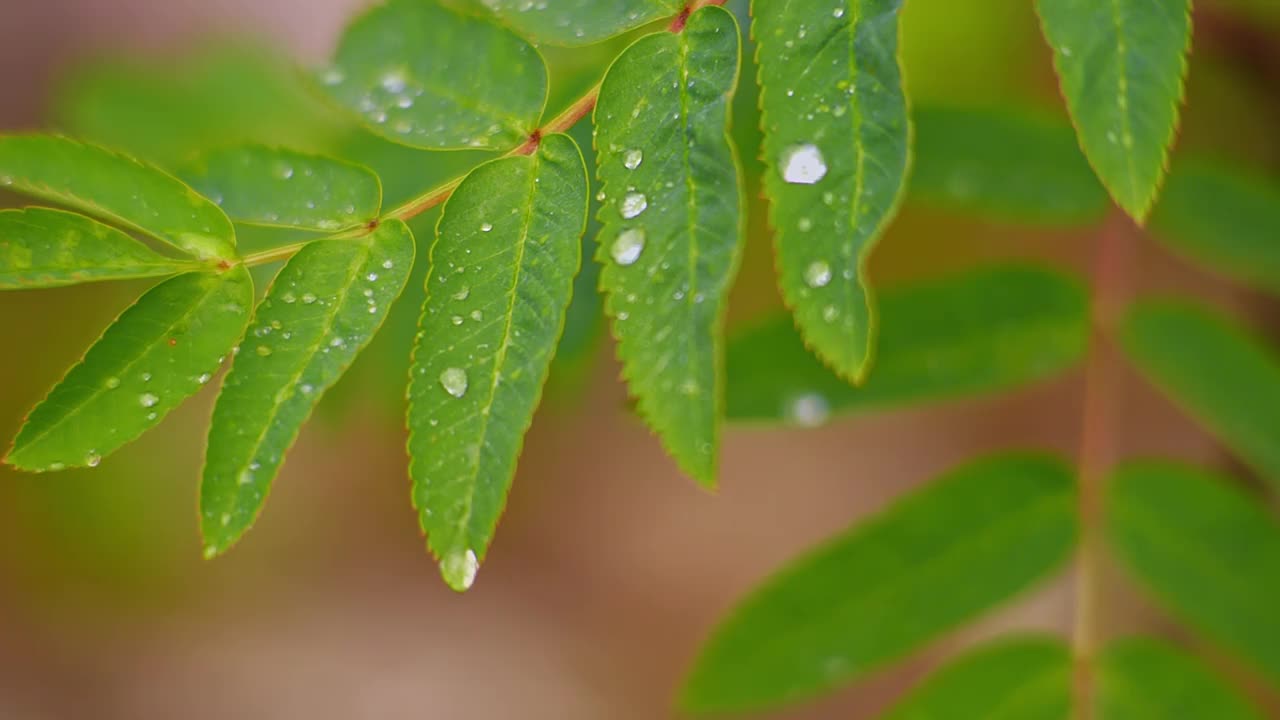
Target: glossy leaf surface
47, 248
579, 22
939, 556
502, 267
836, 149
158, 353
324, 307
1146, 678
978, 332
672, 228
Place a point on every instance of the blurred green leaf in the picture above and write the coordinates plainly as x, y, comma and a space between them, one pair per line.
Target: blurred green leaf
978, 332
1225, 220
1004, 166
1147, 678
47, 248
1213, 369
579, 22
836, 134
282, 188
1024, 678
1121, 66
326, 304
158, 353
932, 561
502, 267
419, 74
672, 228
116, 188
1207, 551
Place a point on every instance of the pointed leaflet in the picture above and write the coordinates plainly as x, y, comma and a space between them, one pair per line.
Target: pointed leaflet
158, 353
835, 143
258, 185
977, 332
115, 188
1208, 552
1224, 220
1026, 678
672, 226
1147, 678
1121, 65
579, 22
47, 248
323, 308
427, 77
1003, 166
502, 267
971, 540
1216, 371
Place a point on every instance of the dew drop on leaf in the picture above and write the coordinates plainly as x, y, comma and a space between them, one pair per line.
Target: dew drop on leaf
818, 274
803, 165
112, 383
632, 159
148, 400
632, 205
454, 381
808, 410
459, 569
92, 459
628, 246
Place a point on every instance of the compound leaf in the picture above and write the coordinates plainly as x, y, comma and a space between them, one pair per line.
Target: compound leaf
1025, 678
158, 353
1208, 552
324, 307
115, 188
978, 332
836, 148
1121, 65
1142, 677
1212, 368
502, 266
424, 76
579, 22
671, 226
1225, 220
47, 248
977, 536
1003, 166
258, 185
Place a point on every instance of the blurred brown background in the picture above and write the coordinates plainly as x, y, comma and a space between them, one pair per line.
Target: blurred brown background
609, 568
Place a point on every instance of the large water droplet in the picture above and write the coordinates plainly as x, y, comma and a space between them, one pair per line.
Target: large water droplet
92, 459
459, 569
808, 410
633, 204
818, 274
803, 165
454, 381
148, 400
627, 246
632, 159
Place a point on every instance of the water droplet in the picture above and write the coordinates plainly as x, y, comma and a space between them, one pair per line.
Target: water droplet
830, 313
454, 381
308, 298
462, 294
627, 246
486, 227
146, 377
371, 277
393, 82
246, 478
112, 383
804, 224
459, 569
263, 350
226, 519
288, 298
477, 315
203, 378
633, 158
632, 205
306, 388
387, 264
92, 459
818, 274
456, 320
148, 400
808, 410
55, 467
803, 165
333, 77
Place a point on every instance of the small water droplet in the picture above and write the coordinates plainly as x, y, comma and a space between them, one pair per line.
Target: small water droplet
288, 298
627, 246
462, 294
263, 350
803, 165
486, 227
393, 82
371, 277
632, 205
387, 264
112, 383
818, 274
459, 569
203, 378
477, 315
92, 459
454, 381
830, 313
808, 410
148, 400
632, 159
246, 478
308, 298
456, 320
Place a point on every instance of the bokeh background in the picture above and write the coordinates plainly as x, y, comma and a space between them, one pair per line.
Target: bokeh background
609, 568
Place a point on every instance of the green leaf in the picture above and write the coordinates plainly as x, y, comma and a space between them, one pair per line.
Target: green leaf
1225, 220
579, 22
115, 188
982, 331
502, 266
1026, 678
282, 188
1147, 678
158, 353
932, 561
47, 248
1121, 65
1207, 551
324, 307
424, 76
671, 226
836, 145
1212, 368
1003, 166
